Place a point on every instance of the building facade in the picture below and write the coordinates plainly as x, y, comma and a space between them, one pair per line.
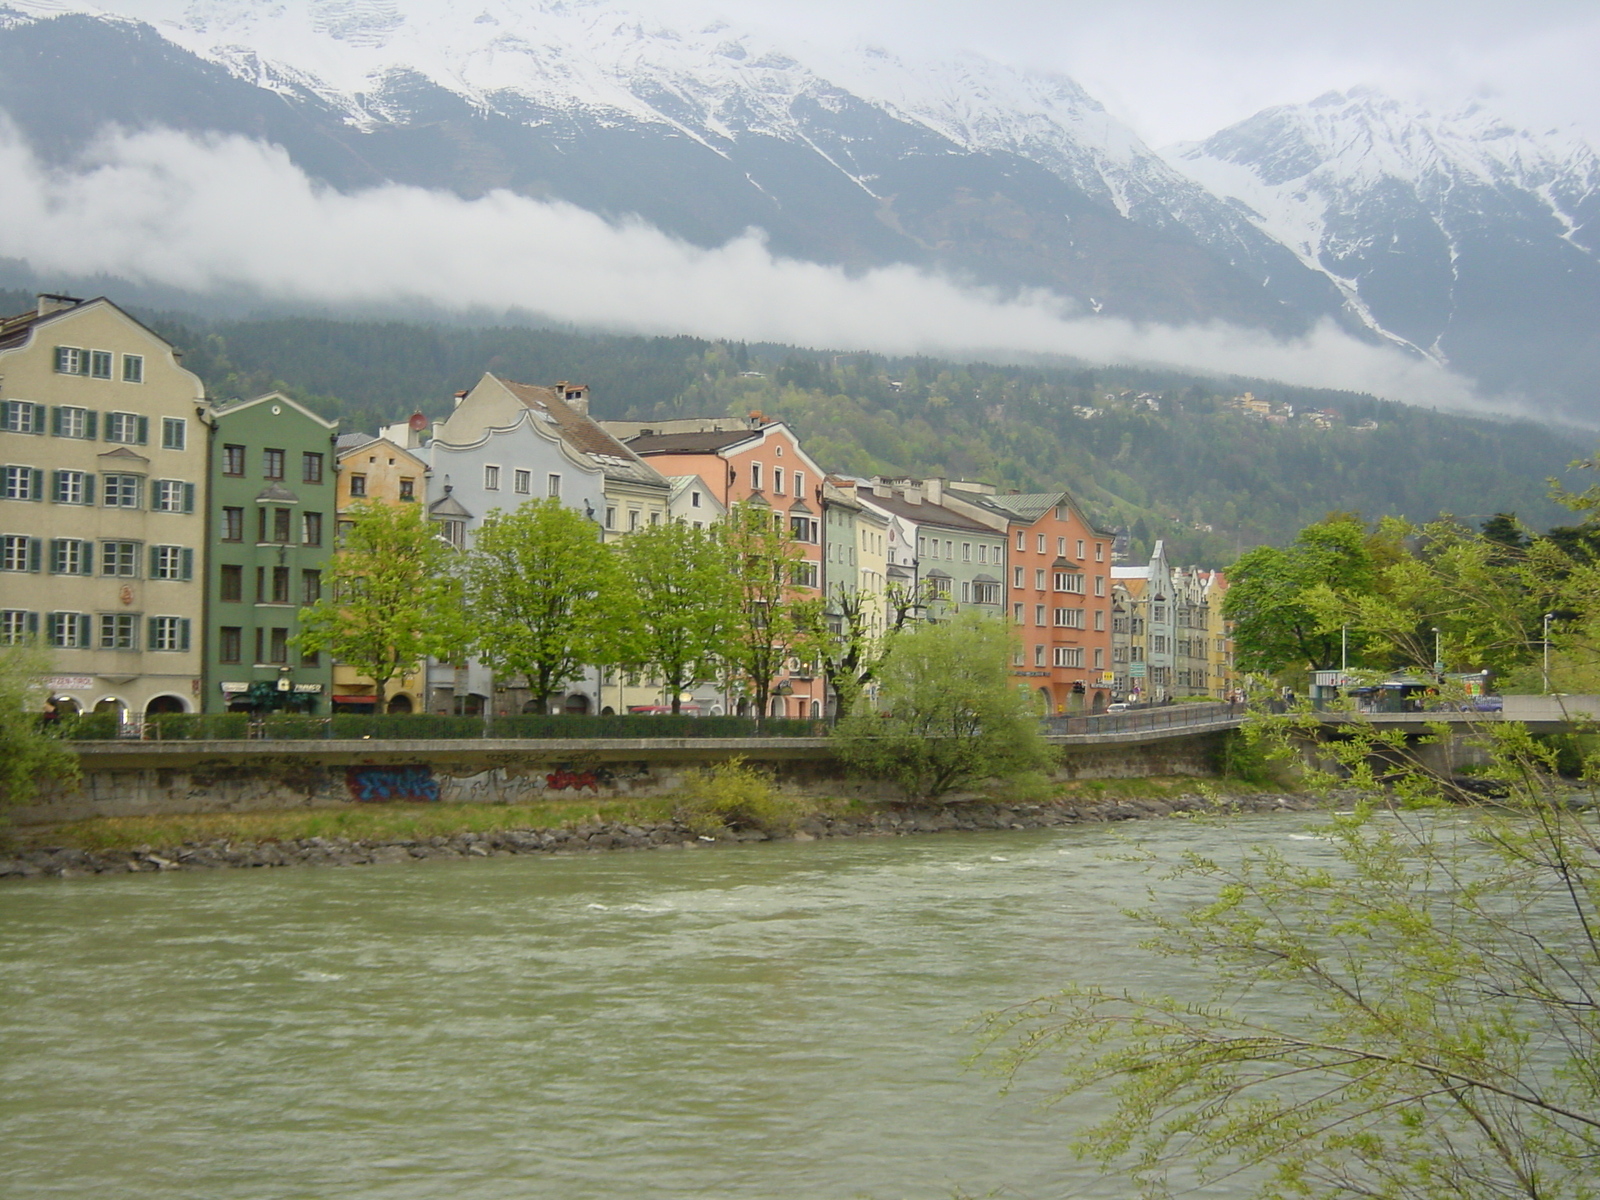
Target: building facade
273, 514
103, 443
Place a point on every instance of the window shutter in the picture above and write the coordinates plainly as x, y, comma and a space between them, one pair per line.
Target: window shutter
144, 431
38, 418
87, 558
61, 359
88, 489
58, 490
55, 553
35, 553
91, 424
188, 497
33, 624
55, 420
38, 483
186, 569
155, 559
150, 632
85, 629
183, 631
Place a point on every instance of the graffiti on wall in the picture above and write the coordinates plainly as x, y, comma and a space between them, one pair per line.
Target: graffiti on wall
391, 783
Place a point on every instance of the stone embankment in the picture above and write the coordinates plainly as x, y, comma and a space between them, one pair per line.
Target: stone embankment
889, 821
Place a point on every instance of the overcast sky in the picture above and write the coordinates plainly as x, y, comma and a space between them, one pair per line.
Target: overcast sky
1181, 69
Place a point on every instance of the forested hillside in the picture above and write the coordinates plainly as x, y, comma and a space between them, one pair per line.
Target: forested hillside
1163, 453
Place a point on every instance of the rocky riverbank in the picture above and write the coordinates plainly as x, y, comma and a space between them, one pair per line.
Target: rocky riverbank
888, 821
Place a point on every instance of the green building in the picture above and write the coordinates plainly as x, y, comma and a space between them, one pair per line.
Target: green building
272, 528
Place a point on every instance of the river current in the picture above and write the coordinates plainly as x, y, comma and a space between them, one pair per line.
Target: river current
772, 1021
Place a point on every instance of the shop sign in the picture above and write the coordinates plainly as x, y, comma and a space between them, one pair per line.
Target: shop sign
231, 689
1136, 670
68, 683
308, 687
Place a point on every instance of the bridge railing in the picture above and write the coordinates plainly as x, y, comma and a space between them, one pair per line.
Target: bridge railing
1170, 716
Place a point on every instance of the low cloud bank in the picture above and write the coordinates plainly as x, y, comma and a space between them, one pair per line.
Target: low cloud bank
206, 213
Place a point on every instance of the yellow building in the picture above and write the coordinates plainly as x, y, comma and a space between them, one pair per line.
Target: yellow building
377, 470
104, 438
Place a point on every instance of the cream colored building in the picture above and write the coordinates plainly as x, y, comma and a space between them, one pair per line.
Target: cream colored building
103, 453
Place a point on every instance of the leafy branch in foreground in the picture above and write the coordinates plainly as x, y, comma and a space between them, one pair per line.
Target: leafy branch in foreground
1410, 1011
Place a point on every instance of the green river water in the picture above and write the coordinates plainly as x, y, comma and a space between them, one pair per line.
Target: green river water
783, 1021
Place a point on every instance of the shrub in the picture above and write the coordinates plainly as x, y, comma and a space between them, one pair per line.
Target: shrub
733, 796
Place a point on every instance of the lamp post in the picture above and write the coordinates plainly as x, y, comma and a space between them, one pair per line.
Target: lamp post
1438, 652
1548, 617
1344, 652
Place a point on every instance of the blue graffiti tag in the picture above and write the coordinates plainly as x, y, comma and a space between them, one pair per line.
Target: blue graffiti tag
391, 783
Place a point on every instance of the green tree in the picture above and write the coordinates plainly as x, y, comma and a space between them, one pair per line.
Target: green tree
543, 596
775, 620
684, 604
950, 715
860, 632
30, 753
393, 599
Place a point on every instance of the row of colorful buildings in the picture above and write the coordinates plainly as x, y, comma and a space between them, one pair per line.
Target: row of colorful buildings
161, 545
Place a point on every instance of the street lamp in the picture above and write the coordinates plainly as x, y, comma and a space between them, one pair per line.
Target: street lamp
1548, 617
1438, 652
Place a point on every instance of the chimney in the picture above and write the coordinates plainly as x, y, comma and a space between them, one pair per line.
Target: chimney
50, 302
460, 396
933, 489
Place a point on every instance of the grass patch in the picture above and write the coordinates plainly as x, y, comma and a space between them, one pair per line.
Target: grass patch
367, 822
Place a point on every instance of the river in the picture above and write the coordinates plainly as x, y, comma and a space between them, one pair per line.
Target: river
772, 1021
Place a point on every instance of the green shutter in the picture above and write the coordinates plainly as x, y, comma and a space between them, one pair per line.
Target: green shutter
183, 631
88, 489
33, 624
55, 420
155, 559
144, 431
38, 483
35, 553
85, 629
57, 489
38, 418
188, 497
150, 632
186, 569
91, 424
61, 360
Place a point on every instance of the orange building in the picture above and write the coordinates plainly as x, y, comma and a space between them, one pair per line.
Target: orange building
1058, 588
754, 460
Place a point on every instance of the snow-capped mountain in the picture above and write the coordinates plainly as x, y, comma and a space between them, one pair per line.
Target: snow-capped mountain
1457, 237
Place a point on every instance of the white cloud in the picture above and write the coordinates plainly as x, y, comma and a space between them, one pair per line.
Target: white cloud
228, 213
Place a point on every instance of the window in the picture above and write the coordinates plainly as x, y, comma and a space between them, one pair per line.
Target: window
169, 633
20, 416
230, 643
128, 428
233, 460
230, 583
311, 529
983, 554
553, 487
232, 524
310, 658
72, 487
522, 482
68, 630
120, 491
1061, 547
1022, 544
454, 532
611, 517
310, 467
1099, 552
1038, 656
1016, 577
1158, 644
99, 364
1040, 542
1099, 585
1099, 658
73, 422
174, 433
133, 368
804, 574
1100, 620
70, 556
966, 552
71, 361
1080, 548
310, 587
1069, 581
408, 488
777, 482
1038, 614
950, 550
1158, 612
15, 626
799, 483
1069, 656
491, 479
1017, 614
18, 552
655, 518
986, 593
278, 646
694, 499
755, 477
280, 588
171, 562
804, 529
277, 524
272, 464
173, 495
966, 592
633, 520
1069, 618
358, 485
1038, 579
119, 558
21, 483
119, 631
